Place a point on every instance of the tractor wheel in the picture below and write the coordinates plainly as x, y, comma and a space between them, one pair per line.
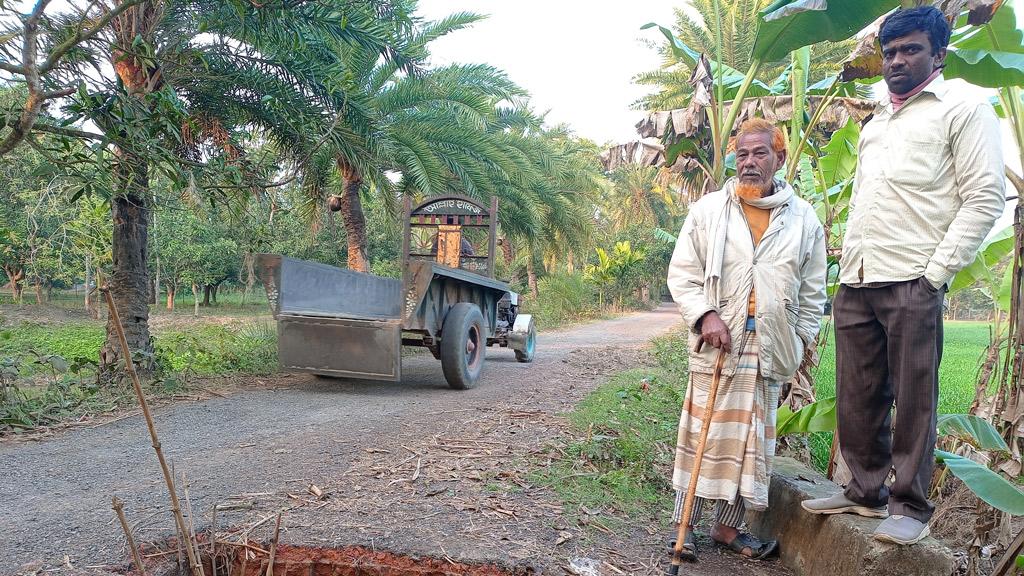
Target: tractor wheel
530, 348
463, 345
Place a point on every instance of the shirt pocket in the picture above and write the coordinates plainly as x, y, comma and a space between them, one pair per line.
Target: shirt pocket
792, 311
915, 162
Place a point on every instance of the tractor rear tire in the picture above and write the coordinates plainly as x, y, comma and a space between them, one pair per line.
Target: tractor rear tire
463, 345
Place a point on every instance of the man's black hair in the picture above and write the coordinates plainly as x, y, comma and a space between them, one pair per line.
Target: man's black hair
924, 18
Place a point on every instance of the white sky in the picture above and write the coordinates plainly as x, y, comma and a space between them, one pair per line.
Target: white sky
576, 57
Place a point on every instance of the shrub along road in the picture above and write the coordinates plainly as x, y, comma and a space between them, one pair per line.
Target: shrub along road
412, 467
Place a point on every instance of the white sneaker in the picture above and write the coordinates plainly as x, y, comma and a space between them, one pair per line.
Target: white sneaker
899, 529
840, 504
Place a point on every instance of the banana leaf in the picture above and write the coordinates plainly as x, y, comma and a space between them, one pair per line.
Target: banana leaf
991, 253
817, 417
840, 159
731, 78
992, 55
664, 236
992, 488
979, 431
790, 24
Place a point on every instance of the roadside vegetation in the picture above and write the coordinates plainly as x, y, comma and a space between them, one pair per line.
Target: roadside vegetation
49, 369
616, 462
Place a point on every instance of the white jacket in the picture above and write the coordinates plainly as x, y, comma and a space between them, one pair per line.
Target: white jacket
788, 269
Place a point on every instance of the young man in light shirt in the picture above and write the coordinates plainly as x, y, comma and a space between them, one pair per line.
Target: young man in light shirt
928, 189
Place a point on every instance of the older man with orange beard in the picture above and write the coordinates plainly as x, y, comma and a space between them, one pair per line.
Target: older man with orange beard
748, 274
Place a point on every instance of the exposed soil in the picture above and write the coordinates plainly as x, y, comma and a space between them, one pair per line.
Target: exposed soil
409, 467
297, 561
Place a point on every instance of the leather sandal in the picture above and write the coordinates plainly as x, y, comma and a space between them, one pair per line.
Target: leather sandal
758, 550
689, 552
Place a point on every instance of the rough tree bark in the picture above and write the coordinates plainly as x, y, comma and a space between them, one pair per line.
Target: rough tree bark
172, 291
15, 276
129, 279
352, 213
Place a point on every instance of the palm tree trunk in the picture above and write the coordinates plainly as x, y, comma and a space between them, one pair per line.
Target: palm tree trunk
129, 279
531, 276
352, 214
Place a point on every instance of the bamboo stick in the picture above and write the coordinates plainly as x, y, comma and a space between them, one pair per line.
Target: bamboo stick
119, 508
273, 546
196, 568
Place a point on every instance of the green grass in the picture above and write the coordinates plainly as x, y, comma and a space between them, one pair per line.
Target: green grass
616, 462
964, 344
70, 340
229, 302
216, 350
47, 373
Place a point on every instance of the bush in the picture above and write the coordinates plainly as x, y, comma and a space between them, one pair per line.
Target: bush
215, 350
564, 299
622, 448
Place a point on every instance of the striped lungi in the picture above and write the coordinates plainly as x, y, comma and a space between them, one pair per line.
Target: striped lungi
741, 441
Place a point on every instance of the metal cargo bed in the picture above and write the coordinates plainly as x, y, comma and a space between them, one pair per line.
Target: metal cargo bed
332, 321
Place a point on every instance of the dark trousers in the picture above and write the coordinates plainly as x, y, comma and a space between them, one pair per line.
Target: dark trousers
888, 348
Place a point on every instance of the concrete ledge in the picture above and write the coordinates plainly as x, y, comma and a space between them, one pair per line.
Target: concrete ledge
839, 545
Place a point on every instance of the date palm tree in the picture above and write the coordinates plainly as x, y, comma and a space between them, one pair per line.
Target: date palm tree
152, 117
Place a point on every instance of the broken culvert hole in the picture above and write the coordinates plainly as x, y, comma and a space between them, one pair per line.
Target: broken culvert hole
348, 561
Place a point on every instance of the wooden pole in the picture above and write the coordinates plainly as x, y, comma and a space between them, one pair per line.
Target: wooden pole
691, 491
119, 508
193, 561
1009, 560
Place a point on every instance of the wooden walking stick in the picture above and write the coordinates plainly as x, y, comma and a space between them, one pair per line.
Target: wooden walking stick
691, 490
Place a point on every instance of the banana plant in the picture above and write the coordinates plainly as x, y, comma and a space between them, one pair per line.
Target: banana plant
784, 26
992, 56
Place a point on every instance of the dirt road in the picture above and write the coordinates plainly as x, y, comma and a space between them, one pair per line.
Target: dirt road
411, 467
